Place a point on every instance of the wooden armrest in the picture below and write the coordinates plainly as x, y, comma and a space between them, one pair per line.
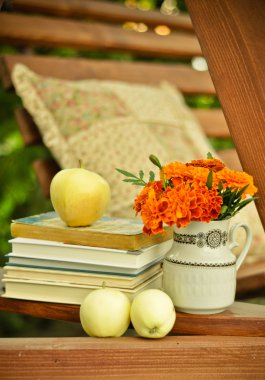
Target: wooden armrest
185, 357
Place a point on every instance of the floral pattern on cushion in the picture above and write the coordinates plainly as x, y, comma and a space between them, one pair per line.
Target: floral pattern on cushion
74, 108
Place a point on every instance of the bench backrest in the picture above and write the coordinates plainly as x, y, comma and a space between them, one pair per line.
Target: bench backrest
92, 33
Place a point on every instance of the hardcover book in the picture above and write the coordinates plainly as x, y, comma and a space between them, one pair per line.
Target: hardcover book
65, 292
49, 250
107, 232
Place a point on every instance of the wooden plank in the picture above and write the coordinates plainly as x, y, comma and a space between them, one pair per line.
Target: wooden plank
47, 310
130, 357
45, 170
187, 80
250, 278
230, 157
28, 129
241, 319
23, 30
212, 121
232, 37
104, 11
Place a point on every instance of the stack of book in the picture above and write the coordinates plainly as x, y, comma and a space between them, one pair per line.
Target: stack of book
54, 263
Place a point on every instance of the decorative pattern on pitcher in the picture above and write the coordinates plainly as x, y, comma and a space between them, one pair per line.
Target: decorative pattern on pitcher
213, 238
208, 265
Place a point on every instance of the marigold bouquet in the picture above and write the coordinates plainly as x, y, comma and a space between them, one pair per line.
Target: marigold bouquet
201, 190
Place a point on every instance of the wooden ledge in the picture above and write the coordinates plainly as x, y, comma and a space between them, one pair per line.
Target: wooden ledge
241, 319
186, 357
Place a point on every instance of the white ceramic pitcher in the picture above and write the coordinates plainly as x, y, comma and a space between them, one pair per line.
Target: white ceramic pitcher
200, 269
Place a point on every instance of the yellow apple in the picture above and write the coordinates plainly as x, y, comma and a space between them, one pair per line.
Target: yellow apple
79, 196
152, 313
105, 313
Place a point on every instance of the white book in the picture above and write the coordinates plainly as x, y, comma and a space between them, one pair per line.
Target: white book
80, 278
65, 293
50, 250
19, 261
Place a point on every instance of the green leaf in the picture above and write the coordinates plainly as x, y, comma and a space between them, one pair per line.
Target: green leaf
245, 202
209, 182
240, 193
232, 198
141, 174
151, 176
129, 180
223, 209
209, 156
220, 186
124, 172
139, 183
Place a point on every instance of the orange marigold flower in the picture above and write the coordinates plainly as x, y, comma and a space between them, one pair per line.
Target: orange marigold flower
179, 172
140, 200
199, 175
187, 196
236, 179
176, 170
212, 164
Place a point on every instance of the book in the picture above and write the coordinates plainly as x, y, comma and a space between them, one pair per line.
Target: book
80, 278
46, 291
19, 261
107, 232
45, 249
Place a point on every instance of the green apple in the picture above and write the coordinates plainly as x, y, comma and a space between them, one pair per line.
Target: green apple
79, 196
105, 313
152, 313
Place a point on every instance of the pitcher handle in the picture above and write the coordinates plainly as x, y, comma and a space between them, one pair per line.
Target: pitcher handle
234, 244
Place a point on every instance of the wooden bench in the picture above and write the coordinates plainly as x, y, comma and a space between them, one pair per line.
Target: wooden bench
217, 25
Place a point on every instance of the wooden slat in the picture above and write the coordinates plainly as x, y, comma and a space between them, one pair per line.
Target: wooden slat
241, 319
230, 158
49, 32
45, 310
45, 170
28, 129
251, 278
187, 80
232, 36
104, 11
213, 122
132, 358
